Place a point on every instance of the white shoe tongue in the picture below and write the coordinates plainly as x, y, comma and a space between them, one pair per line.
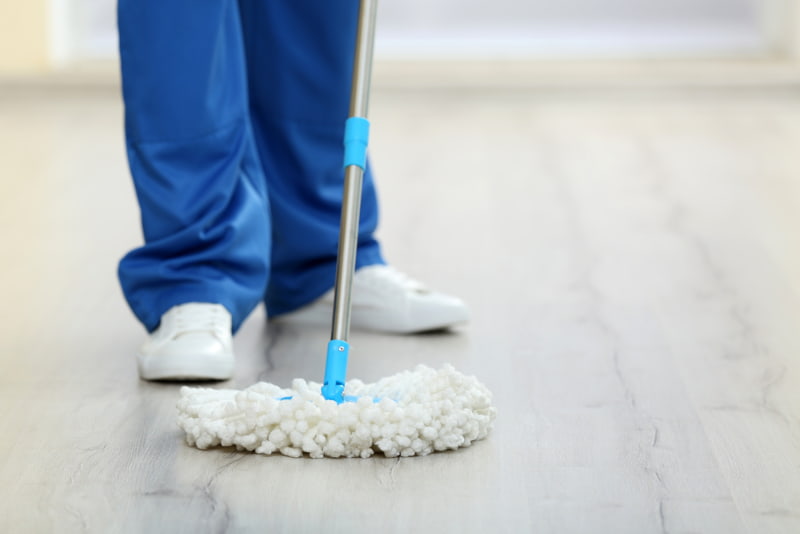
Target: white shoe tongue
199, 319
384, 274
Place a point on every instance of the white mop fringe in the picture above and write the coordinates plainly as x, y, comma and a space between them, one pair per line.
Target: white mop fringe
420, 412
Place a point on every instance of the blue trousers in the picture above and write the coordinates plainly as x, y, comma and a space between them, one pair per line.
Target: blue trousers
234, 117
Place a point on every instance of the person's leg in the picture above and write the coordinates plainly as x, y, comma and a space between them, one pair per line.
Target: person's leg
190, 147
300, 60
299, 57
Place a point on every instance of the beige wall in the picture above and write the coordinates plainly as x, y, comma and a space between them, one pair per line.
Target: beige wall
794, 30
24, 43
780, 20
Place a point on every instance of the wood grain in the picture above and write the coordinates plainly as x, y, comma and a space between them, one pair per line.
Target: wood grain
631, 260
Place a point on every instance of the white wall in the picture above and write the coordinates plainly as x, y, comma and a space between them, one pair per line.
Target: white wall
84, 29
513, 28
586, 28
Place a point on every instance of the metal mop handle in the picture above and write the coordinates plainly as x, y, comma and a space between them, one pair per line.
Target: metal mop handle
355, 140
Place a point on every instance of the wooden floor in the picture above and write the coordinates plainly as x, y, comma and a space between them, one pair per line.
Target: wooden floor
632, 260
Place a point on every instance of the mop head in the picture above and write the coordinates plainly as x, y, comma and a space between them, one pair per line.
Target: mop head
419, 412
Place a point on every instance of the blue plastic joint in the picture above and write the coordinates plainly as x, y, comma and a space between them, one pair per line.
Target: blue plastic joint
356, 139
335, 370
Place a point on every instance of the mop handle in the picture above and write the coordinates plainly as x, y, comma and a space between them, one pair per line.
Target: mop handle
355, 161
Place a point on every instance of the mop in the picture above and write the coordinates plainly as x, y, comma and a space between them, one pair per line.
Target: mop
411, 413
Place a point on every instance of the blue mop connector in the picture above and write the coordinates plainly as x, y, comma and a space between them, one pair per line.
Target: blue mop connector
356, 138
335, 370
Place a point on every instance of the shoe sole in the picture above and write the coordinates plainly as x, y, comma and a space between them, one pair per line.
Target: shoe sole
185, 367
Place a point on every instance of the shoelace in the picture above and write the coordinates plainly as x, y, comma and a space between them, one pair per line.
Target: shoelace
389, 277
200, 319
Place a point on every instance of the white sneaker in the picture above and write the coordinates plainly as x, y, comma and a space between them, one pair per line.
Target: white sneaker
193, 342
386, 300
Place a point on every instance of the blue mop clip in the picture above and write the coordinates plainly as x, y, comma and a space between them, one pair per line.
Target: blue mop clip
336, 371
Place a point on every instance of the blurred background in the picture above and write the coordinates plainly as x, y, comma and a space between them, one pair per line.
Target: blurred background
39, 36
612, 185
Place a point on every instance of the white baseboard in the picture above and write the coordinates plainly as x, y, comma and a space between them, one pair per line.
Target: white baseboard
510, 74
628, 73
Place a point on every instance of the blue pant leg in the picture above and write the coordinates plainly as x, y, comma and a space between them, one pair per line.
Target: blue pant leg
191, 152
300, 59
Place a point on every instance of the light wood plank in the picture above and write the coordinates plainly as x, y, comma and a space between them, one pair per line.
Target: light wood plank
631, 262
